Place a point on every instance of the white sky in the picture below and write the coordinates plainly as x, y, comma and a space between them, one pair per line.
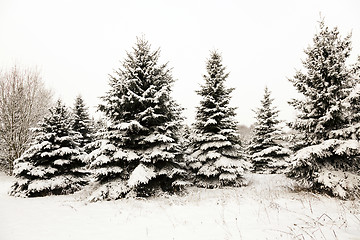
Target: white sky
76, 44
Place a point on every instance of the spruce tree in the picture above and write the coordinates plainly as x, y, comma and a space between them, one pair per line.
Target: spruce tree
324, 86
81, 122
329, 157
52, 165
140, 150
267, 154
216, 158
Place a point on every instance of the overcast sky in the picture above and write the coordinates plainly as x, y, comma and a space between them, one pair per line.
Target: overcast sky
76, 44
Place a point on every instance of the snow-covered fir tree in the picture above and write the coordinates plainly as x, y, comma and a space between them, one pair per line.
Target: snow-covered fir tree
81, 122
329, 157
185, 135
140, 151
216, 158
266, 151
99, 131
324, 86
53, 164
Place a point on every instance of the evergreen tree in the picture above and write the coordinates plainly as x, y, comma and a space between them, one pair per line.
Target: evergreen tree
52, 165
329, 158
324, 86
98, 132
81, 122
140, 150
267, 154
185, 140
216, 158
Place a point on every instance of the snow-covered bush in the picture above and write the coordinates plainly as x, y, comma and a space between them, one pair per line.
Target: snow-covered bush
53, 164
215, 151
140, 150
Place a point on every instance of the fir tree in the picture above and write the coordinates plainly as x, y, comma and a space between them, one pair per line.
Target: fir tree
140, 149
185, 134
329, 158
216, 158
98, 132
81, 122
323, 86
267, 154
52, 165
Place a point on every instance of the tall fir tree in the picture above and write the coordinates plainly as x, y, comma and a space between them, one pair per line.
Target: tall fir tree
140, 151
216, 158
82, 122
328, 159
267, 153
52, 165
324, 86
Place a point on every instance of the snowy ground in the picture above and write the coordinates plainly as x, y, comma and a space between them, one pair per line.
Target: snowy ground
266, 209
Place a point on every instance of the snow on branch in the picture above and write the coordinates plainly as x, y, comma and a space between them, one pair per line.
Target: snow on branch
157, 137
130, 126
211, 121
208, 170
329, 148
141, 175
100, 160
272, 150
217, 144
339, 182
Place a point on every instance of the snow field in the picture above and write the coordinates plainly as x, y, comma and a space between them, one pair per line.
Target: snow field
265, 209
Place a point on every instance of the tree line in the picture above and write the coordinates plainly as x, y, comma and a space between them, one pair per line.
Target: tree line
144, 146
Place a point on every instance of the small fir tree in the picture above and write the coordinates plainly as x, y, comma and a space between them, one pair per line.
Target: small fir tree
52, 165
140, 152
267, 154
329, 158
216, 158
185, 133
81, 122
98, 129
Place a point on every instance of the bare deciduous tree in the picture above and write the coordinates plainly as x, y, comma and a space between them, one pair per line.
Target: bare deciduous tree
24, 100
